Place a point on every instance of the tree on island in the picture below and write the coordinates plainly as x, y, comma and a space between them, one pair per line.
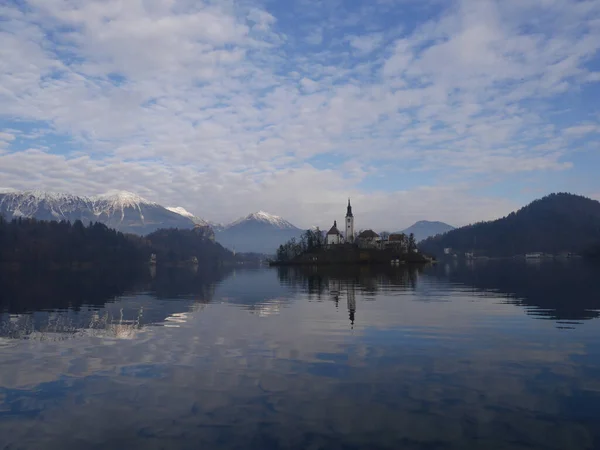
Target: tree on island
310, 241
412, 243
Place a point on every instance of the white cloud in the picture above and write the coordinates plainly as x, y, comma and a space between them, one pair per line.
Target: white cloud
315, 37
366, 43
219, 108
5, 139
581, 130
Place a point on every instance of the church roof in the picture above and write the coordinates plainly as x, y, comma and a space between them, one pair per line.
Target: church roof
349, 210
368, 234
334, 230
396, 237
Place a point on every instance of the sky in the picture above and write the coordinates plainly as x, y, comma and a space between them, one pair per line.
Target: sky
458, 111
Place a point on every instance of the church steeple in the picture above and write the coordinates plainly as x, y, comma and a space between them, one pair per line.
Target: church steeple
349, 224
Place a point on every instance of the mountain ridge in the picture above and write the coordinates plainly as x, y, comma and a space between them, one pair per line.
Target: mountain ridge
185, 213
263, 217
424, 229
557, 223
126, 211
121, 210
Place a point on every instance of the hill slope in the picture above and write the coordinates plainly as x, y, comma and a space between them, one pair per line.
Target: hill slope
425, 228
185, 213
553, 224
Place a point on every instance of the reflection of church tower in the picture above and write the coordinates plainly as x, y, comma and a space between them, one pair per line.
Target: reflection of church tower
349, 224
351, 302
335, 287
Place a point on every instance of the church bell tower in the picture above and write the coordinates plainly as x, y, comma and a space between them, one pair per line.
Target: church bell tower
349, 224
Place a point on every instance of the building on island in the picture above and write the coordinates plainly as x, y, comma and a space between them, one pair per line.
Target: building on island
368, 239
334, 237
349, 224
397, 241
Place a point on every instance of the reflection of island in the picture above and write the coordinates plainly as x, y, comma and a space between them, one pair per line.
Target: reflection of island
369, 279
341, 283
561, 290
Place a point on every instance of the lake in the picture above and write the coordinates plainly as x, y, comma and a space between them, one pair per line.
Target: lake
490, 354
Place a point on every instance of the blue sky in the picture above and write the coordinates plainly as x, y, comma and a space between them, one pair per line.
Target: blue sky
444, 110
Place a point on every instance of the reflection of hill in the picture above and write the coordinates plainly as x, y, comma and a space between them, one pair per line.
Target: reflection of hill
24, 291
188, 283
67, 303
560, 290
257, 290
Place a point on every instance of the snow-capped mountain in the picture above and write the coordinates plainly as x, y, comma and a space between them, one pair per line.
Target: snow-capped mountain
45, 205
259, 232
185, 213
121, 210
262, 217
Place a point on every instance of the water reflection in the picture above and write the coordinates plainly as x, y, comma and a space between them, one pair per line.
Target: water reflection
117, 304
342, 283
369, 279
567, 291
306, 358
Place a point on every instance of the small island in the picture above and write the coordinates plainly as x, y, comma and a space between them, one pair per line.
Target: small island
367, 247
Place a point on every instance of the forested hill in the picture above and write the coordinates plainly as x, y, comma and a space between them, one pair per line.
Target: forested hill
48, 244
553, 224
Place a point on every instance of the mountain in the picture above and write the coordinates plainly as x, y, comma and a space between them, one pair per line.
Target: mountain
44, 205
554, 224
424, 229
185, 213
124, 211
258, 232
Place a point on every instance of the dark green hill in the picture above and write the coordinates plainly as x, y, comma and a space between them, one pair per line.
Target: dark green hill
554, 224
31, 243
174, 246
425, 228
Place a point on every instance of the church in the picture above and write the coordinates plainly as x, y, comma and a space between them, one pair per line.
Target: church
334, 236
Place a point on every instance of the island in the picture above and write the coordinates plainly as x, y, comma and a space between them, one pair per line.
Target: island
334, 247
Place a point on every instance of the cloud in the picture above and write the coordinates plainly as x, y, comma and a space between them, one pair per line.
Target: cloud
315, 37
5, 139
581, 130
365, 44
228, 107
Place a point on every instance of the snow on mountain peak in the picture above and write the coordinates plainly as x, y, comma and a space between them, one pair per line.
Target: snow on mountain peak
123, 199
264, 217
181, 211
48, 196
28, 203
185, 213
116, 202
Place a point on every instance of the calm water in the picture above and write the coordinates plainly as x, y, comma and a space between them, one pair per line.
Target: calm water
489, 355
